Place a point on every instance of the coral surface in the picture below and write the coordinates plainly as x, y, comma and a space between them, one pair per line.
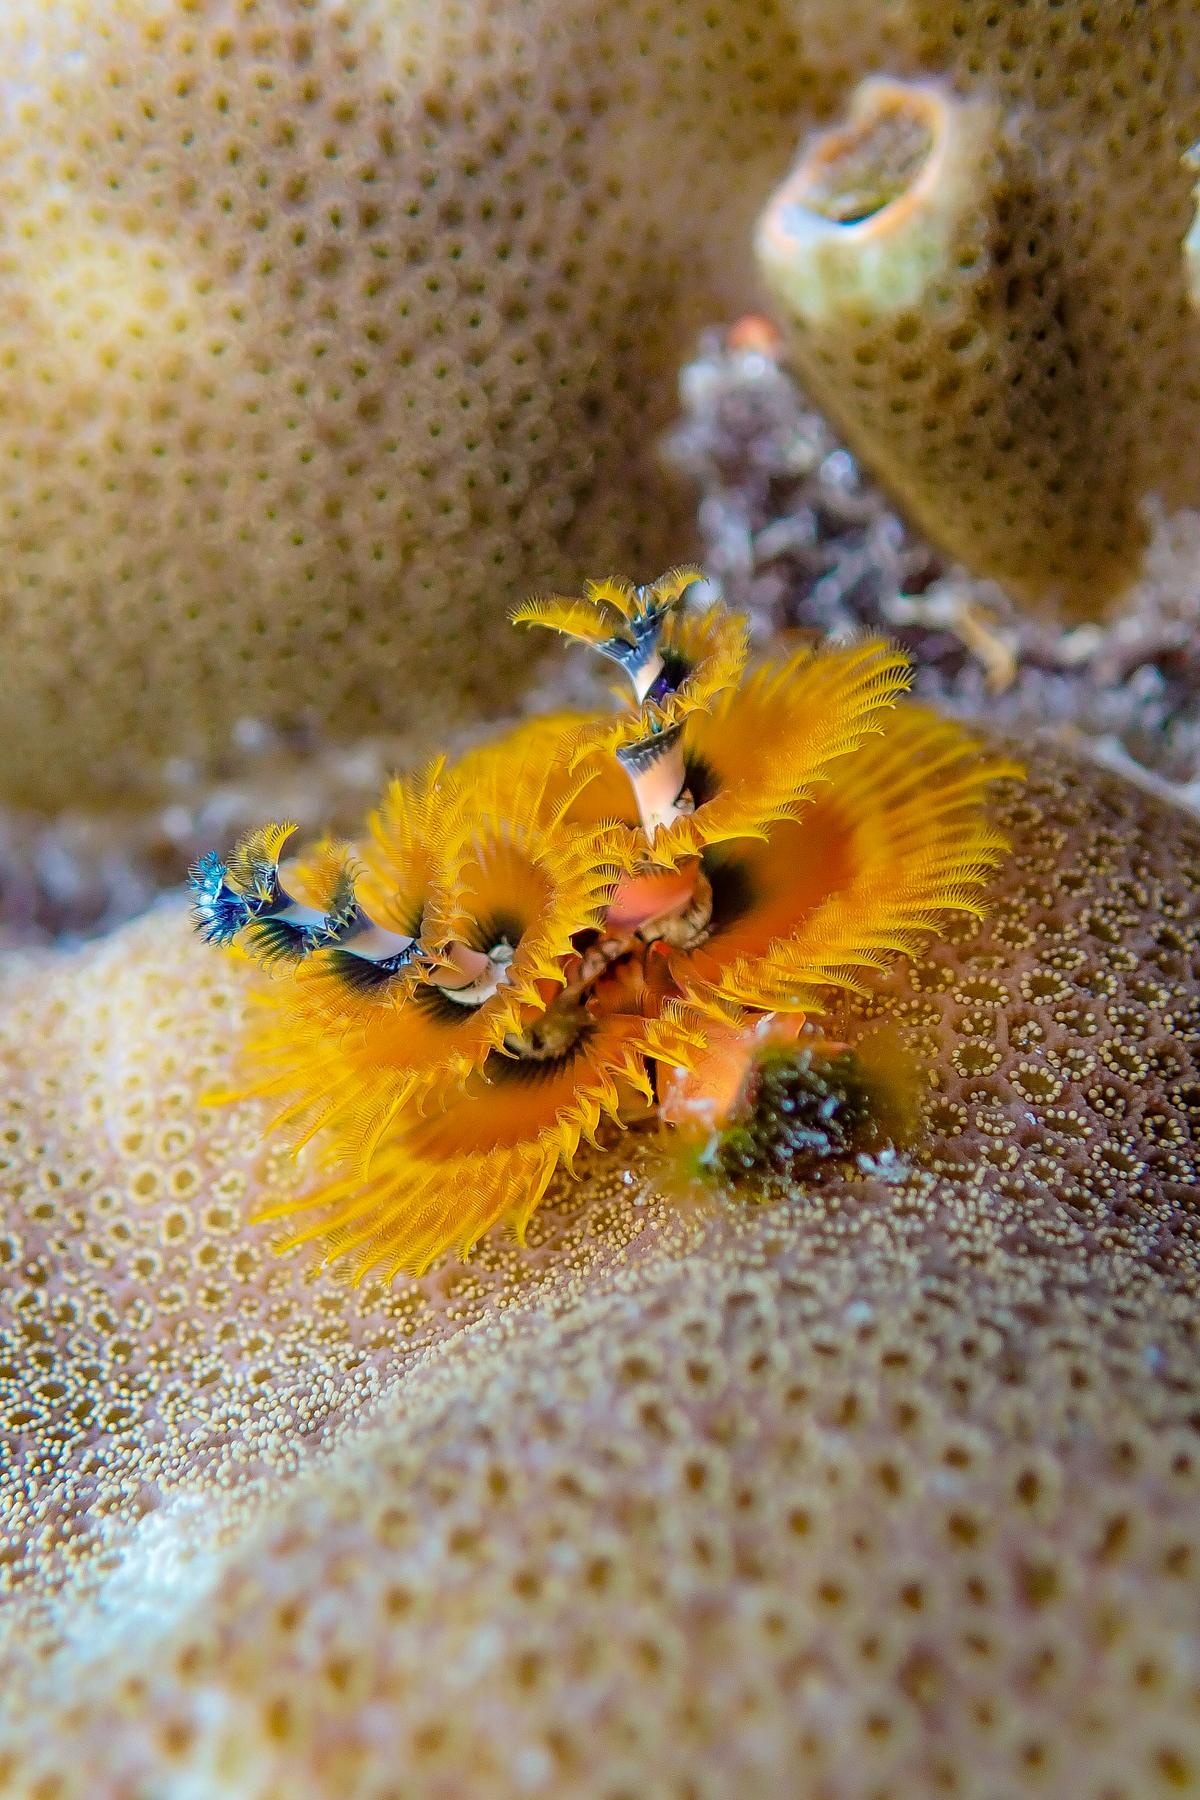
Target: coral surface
317, 327
324, 328
888, 1487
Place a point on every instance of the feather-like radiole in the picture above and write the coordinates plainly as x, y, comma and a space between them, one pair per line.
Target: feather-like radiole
486, 1151
679, 657
641, 629
862, 874
751, 756
495, 892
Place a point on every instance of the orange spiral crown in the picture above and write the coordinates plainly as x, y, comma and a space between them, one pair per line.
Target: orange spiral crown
528, 942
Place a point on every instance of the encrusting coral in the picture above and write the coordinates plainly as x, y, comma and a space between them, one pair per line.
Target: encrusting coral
315, 327
532, 932
889, 1487
323, 327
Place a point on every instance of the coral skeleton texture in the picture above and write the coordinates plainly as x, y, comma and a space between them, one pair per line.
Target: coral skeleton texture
324, 328
888, 1487
315, 325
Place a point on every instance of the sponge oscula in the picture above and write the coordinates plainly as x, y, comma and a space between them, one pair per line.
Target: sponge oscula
921, 270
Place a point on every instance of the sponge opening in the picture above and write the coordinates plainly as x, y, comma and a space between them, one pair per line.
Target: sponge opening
855, 173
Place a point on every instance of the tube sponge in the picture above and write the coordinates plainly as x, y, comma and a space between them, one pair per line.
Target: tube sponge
924, 275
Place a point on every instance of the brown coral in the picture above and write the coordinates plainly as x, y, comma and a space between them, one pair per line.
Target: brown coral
317, 343
987, 283
326, 330
887, 1488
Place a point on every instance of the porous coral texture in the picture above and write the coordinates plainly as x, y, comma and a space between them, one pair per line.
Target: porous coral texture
327, 330
1005, 333
886, 1488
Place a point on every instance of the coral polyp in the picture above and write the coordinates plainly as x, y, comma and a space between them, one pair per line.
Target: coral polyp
559, 930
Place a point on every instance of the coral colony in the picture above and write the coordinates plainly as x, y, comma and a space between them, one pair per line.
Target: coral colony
597, 918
